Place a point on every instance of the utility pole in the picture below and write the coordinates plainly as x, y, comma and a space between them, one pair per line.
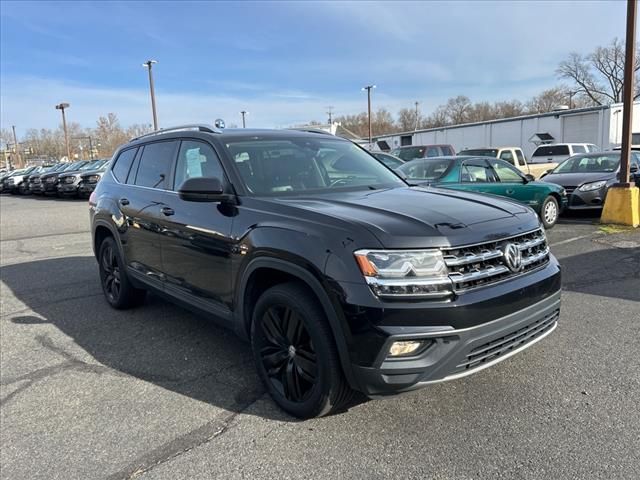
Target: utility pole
627, 94
622, 204
16, 147
90, 145
417, 117
368, 88
244, 123
148, 64
62, 107
571, 95
329, 112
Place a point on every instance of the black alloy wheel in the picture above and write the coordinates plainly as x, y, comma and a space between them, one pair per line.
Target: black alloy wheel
117, 287
288, 355
295, 352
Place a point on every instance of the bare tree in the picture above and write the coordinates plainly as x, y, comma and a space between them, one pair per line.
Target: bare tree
438, 118
599, 76
548, 100
458, 109
407, 119
481, 112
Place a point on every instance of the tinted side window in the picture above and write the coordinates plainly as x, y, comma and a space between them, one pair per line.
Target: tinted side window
550, 150
123, 163
507, 156
579, 149
520, 157
196, 159
155, 165
476, 172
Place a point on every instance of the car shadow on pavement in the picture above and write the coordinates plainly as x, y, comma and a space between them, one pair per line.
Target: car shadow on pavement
612, 272
156, 342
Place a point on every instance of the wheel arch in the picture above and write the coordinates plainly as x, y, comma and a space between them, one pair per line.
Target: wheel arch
280, 271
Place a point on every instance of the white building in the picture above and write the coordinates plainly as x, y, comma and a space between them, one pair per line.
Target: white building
598, 125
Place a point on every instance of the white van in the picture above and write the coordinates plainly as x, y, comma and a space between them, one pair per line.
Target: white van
559, 152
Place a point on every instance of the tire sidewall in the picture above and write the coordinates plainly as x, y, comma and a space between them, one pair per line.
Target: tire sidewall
320, 393
109, 242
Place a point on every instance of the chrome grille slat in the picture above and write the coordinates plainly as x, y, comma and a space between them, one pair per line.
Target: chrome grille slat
483, 264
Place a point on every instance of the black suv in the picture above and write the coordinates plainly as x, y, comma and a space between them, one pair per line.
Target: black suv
343, 277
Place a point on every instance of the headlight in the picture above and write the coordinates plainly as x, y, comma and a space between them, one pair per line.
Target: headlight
93, 178
51, 179
69, 179
408, 274
588, 187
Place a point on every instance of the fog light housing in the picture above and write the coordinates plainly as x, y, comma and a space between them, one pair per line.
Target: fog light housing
406, 348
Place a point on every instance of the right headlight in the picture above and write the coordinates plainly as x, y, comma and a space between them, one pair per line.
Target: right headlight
588, 187
405, 274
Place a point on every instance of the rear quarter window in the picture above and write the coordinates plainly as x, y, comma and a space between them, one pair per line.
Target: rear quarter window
551, 150
123, 164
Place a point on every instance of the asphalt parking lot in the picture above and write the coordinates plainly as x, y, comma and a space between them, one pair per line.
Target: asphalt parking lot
156, 392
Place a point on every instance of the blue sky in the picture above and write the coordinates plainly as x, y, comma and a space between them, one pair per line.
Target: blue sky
284, 62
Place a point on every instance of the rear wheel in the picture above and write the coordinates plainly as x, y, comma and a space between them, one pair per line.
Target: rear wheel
117, 287
549, 212
295, 353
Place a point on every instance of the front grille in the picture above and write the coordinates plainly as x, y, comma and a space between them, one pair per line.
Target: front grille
503, 345
484, 264
36, 180
569, 190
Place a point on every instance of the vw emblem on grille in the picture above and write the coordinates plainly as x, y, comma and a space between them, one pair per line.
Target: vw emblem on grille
512, 257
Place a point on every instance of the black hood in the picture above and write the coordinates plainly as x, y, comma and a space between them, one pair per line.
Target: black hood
422, 217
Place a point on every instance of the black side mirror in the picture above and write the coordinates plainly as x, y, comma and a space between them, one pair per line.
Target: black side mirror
204, 189
633, 168
529, 178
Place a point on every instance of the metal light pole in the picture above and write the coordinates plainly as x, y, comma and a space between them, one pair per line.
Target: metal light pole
416, 128
90, 145
61, 107
330, 112
368, 88
244, 123
627, 94
148, 64
16, 146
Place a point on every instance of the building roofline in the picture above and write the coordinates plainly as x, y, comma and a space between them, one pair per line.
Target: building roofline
558, 113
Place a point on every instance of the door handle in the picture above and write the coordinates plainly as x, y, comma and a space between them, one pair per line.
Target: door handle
124, 201
167, 211
510, 192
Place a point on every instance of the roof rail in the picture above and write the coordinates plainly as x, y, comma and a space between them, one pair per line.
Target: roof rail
311, 130
201, 127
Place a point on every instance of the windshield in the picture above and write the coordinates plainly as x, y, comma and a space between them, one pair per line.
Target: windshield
389, 160
93, 165
481, 152
426, 170
408, 153
280, 165
589, 163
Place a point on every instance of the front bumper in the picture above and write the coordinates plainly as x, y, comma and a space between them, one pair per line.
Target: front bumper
458, 353
587, 200
67, 189
49, 188
86, 188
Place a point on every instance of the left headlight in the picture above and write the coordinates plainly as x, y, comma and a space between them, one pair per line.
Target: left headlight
405, 274
588, 187
93, 178
69, 179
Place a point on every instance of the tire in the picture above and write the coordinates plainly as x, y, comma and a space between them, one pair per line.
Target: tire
295, 353
549, 212
117, 287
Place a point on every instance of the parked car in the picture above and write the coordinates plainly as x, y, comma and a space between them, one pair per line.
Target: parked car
89, 180
587, 178
69, 181
559, 152
340, 283
389, 160
49, 181
492, 176
35, 185
15, 182
6, 186
410, 152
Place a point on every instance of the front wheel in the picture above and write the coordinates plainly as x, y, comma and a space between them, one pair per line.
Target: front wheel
295, 353
549, 212
117, 287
